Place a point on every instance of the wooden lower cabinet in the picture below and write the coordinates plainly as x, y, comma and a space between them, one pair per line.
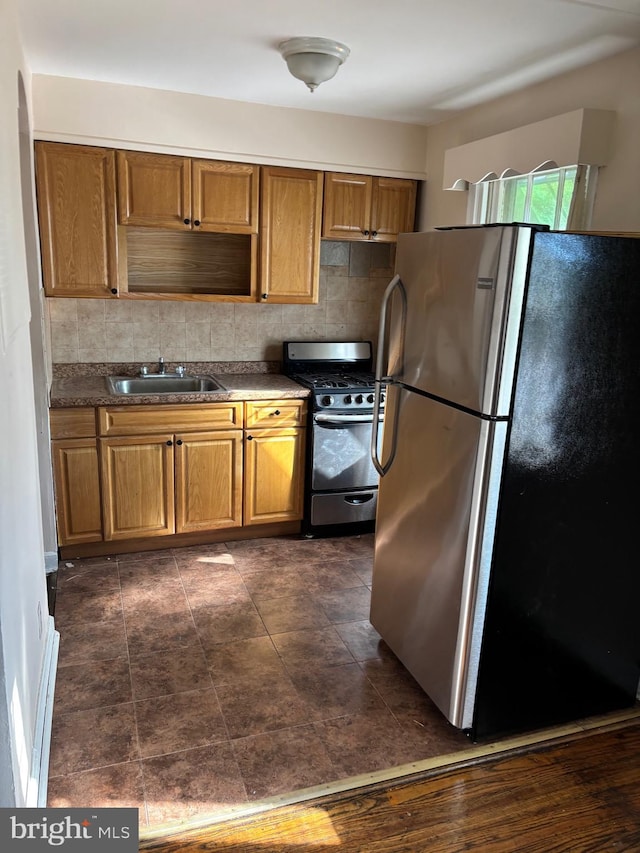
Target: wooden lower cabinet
156, 471
165, 484
208, 477
273, 479
137, 486
77, 490
76, 471
274, 454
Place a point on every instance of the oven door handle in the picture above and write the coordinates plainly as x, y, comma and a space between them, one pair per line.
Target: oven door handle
380, 379
344, 420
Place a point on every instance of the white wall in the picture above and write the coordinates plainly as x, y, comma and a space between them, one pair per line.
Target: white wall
89, 112
611, 84
24, 624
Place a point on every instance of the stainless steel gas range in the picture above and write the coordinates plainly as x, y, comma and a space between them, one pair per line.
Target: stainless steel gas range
341, 488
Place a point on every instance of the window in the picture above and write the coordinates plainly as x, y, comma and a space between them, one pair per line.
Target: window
559, 198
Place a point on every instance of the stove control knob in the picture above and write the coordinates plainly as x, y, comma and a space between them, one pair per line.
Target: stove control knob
327, 400
369, 398
347, 399
359, 398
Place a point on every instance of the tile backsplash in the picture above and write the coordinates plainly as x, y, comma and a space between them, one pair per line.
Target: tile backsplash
353, 277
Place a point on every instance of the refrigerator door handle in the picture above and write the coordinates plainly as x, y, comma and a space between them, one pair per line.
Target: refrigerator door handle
380, 378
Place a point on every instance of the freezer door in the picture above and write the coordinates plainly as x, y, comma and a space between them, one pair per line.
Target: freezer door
434, 537
457, 336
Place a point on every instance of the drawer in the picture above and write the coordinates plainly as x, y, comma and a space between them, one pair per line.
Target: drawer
275, 413
73, 423
132, 420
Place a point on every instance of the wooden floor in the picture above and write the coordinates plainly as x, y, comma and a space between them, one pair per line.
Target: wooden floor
579, 795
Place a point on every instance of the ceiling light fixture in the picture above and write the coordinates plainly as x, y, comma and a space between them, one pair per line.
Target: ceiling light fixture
313, 60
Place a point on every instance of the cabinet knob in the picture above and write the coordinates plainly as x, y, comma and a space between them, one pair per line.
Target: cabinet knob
374, 233
179, 441
196, 222
276, 412
265, 295
366, 233
169, 443
249, 438
187, 221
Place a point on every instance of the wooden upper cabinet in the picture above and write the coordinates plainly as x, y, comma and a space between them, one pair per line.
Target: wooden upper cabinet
393, 208
154, 190
362, 207
225, 196
76, 189
162, 191
290, 223
347, 206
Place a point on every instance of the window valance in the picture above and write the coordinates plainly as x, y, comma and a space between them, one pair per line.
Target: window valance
579, 137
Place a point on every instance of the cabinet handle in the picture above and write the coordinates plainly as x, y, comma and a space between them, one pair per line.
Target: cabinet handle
249, 438
179, 441
366, 233
265, 295
114, 290
186, 221
374, 233
277, 412
169, 443
196, 222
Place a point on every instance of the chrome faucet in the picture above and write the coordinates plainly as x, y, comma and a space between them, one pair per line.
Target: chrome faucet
161, 367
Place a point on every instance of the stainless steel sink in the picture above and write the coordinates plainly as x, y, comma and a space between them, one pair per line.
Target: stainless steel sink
162, 384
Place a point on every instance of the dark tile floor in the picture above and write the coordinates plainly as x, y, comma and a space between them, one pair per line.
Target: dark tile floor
197, 679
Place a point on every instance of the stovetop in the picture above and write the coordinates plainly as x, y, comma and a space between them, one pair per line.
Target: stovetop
338, 380
340, 373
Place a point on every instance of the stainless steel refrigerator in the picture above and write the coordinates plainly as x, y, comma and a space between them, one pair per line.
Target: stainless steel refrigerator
506, 571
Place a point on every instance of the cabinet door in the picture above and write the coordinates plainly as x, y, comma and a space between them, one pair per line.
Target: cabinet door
208, 480
225, 196
290, 222
77, 490
76, 191
137, 486
347, 206
393, 208
154, 190
274, 460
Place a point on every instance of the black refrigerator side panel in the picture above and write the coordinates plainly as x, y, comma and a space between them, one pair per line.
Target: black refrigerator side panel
562, 629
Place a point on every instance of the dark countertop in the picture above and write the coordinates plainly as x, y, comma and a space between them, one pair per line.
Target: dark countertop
92, 390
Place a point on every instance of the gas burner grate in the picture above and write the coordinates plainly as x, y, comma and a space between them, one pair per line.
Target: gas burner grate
335, 380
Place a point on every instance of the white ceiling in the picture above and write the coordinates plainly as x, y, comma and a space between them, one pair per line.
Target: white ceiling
413, 61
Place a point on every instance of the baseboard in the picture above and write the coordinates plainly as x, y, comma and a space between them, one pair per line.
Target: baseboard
39, 775
178, 540
50, 561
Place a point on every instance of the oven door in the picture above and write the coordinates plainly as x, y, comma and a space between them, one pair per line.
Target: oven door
341, 452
